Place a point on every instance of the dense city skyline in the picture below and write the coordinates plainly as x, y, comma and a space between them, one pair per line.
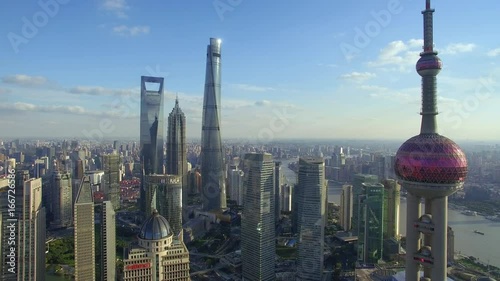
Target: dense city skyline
319, 75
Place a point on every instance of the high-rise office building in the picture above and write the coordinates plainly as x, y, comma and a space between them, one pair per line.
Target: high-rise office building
151, 127
357, 190
108, 242
346, 207
31, 247
165, 196
286, 198
258, 247
392, 195
61, 199
312, 204
212, 153
296, 208
371, 223
278, 179
111, 179
432, 167
235, 182
176, 148
84, 233
158, 255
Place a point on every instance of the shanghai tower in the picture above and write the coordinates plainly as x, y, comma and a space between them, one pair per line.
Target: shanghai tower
431, 167
212, 156
151, 128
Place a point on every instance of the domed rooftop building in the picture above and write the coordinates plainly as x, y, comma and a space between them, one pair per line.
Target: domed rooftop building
156, 227
158, 254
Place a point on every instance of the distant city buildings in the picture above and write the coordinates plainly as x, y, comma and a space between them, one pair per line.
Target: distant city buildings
312, 204
258, 246
212, 154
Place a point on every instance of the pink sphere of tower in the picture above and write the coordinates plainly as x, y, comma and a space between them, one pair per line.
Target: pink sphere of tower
429, 65
431, 158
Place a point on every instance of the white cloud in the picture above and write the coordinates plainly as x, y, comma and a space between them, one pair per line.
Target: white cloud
358, 76
331, 65
101, 91
456, 48
25, 80
137, 30
263, 103
67, 109
118, 7
252, 88
401, 55
494, 52
373, 88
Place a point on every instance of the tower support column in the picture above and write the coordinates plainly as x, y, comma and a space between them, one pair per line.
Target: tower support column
412, 236
428, 237
439, 239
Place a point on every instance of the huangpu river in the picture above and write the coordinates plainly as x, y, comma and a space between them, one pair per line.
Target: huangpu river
485, 247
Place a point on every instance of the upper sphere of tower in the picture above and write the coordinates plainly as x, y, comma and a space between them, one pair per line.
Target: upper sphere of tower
429, 65
431, 158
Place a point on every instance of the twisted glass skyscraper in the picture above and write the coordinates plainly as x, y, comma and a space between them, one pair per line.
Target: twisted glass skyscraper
212, 156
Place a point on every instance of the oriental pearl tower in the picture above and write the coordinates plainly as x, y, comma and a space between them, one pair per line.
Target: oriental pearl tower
431, 167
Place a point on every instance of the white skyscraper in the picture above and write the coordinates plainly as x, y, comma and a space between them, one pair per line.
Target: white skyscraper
236, 185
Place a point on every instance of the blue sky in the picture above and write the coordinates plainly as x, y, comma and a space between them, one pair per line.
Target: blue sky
285, 71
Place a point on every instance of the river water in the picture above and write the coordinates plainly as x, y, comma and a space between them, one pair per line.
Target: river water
486, 247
